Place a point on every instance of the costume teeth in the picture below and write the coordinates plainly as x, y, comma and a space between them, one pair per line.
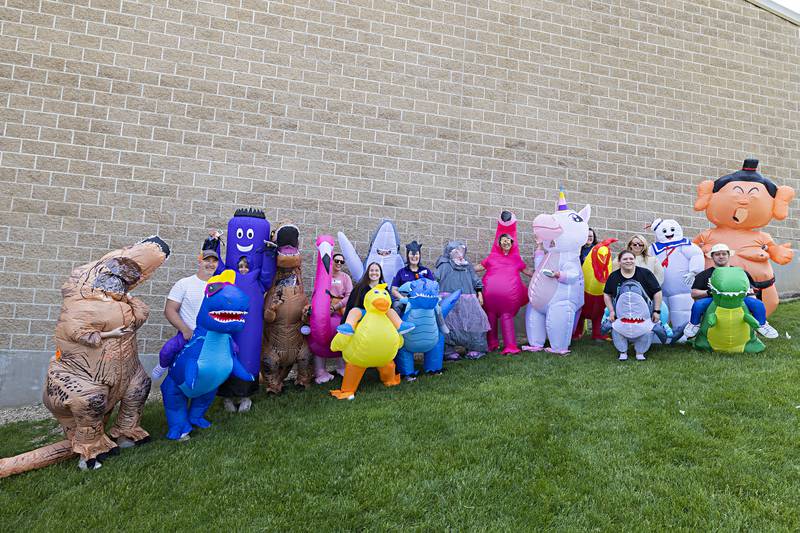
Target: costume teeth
236, 316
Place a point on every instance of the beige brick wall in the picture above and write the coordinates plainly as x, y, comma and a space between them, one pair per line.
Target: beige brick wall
125, 118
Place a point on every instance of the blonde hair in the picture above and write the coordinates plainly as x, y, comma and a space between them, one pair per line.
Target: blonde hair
644, 248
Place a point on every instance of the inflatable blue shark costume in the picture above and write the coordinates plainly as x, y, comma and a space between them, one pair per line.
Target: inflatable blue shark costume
384, 249
208, 359
424, 311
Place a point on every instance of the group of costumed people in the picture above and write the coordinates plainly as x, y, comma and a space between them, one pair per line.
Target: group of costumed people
247, 319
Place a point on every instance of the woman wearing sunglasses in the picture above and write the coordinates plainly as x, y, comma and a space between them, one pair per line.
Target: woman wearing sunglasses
341, 285
638, 245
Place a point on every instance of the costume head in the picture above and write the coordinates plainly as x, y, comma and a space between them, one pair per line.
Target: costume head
455, 253
633, 310
378, 299
666, 230
744, 199
224, 307
506, 225
565, 230
422, 293
248, 230
120, 271
384, 249
729, 286
287, 238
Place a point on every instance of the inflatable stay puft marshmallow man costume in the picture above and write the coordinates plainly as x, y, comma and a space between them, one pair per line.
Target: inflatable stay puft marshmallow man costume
556, 288
682, 261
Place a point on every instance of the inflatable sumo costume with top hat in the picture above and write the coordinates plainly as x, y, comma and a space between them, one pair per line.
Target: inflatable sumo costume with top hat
739, 205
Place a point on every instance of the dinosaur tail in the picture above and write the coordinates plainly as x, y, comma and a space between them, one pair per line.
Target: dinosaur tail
38, 458
449, 302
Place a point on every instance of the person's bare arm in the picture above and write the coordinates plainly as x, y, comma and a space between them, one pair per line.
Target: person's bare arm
172, 314
699, 294
610, 306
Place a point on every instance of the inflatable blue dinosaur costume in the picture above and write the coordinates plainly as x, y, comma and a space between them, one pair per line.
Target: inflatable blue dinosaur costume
207, 360
425, 312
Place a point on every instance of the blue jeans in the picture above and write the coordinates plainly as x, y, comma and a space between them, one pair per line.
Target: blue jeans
755, 306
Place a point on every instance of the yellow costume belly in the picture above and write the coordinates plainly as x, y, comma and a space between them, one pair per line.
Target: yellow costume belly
731, 332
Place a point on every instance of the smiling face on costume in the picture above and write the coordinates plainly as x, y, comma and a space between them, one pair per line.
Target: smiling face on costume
247, 232
668, 230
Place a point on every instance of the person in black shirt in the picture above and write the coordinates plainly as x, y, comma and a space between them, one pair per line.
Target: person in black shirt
629, 270
720, 254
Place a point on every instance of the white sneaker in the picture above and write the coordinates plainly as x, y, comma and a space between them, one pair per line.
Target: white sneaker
623, 357
245, 405
229, 406
690, 330
640, 357
768, 331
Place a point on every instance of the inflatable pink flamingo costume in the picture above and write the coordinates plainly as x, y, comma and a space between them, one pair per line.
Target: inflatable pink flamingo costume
556, 289
503, 291
322, 322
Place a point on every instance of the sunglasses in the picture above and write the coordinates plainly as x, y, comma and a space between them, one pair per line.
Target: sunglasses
637, 244
339, 261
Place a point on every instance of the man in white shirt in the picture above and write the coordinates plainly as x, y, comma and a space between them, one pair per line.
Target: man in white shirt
186, 296
183, 303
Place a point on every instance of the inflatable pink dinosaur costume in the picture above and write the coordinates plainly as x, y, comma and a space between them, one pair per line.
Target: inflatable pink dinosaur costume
556, 289
503, 291
323, 324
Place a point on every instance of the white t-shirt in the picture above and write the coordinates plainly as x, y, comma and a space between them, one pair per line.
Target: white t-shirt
189, 292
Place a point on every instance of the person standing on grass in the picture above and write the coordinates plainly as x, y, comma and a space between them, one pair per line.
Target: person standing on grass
182, 305
629, 271
720, 254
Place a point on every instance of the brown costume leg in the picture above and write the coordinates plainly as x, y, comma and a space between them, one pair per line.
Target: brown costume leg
388, 376
304, 373
770, 298
274, 376
352, 377
131, 407
80, 408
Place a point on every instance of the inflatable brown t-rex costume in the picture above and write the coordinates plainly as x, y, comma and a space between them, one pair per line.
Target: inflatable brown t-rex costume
92, 372
286, 309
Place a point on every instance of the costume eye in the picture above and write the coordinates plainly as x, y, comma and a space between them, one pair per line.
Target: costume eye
375, 292
213, 288
250, 233
239, 233
752, 190
575, 217
738, 189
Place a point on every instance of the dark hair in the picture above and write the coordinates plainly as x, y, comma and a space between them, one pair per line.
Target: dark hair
360, 290
339, 254
594, 236
243, 258
507, 236
623, 252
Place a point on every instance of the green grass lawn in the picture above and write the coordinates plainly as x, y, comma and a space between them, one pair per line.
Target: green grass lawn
684, 440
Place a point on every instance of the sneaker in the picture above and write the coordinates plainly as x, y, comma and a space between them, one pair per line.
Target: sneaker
245, 406
640, 357
474, 355
229, 405
768, 331
623, 357
452, 356
410, 379
690, 330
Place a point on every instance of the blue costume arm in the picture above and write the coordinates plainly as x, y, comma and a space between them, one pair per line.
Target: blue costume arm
443, 329
449, 302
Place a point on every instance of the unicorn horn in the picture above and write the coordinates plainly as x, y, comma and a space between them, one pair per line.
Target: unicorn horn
562, 201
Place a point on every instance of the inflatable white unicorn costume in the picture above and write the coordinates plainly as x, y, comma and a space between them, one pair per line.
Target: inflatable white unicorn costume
556, 289
682, 261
